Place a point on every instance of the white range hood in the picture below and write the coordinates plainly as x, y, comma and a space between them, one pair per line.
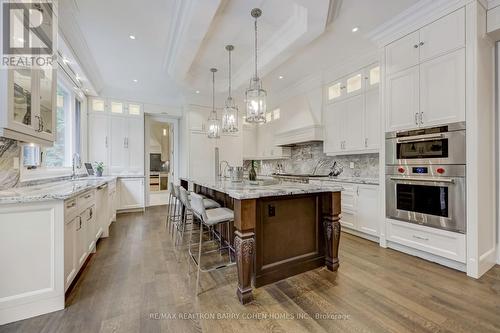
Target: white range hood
300, 120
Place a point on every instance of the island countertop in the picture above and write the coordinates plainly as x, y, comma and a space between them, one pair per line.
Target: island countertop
245, 190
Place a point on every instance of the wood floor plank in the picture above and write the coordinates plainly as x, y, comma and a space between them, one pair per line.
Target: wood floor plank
139, 281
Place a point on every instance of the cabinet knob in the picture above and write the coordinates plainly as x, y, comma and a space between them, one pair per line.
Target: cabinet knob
415, 46
421, 43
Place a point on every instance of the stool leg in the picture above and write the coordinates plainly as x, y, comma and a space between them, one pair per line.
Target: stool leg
167, 221
199, 259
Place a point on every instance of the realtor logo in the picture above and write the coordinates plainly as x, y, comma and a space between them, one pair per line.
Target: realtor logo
29, 33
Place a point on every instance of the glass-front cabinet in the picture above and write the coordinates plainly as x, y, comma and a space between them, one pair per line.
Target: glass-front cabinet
27, 112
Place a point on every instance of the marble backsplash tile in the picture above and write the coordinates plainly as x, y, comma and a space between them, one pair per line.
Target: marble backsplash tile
9, 176
309, 157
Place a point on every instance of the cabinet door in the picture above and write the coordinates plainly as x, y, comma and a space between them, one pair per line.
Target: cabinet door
131, 193
21, 115
332, 121
354, 124
354, 84
402, 99
230, 149
91, 228
70, 251
47, 103
348, 216
442, 89
367, 209
372, 119
372, 77
249, 142
81, 241
442, 36
135, 145
201, 155
118, 153
335, 91
97, 105
402, 53
99, 138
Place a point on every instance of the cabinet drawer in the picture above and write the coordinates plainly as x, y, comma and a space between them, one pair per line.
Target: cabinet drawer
348, 197
438, 242
86, 199
70, 209
348, 219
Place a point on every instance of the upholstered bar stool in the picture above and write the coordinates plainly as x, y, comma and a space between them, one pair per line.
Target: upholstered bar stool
209, 218
171, 198
186, 211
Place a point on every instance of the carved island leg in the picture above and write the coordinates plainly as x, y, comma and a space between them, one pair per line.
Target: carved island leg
331, 229
244, 246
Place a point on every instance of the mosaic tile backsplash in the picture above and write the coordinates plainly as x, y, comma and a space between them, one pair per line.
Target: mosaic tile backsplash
9, 149
308, 157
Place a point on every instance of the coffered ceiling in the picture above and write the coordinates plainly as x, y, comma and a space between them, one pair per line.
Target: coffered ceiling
177, 41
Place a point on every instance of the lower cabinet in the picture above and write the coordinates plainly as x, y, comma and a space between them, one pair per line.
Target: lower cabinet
131, 193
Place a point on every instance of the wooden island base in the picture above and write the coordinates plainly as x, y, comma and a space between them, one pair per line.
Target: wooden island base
281, 236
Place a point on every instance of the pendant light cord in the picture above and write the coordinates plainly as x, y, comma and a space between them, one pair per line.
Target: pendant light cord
213, 91
255, 47
229, 73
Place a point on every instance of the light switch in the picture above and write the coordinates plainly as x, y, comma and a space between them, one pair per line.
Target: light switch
351, 165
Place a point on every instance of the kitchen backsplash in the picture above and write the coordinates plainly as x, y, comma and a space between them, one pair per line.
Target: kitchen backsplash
309, 156
9, 176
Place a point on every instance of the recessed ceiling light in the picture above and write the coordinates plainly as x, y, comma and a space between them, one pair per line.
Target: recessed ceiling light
281, 77
131, 36
197, 91
135, 80
355, 29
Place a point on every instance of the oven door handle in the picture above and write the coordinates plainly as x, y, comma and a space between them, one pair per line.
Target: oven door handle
434, 180
420, 138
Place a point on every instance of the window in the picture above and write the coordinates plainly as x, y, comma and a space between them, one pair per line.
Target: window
116, 107
68, 124
353, 83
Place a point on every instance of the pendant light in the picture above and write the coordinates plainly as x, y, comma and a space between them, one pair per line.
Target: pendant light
256, 96
230, 115
213, 122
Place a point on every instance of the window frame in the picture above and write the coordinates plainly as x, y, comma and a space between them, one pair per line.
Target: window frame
43, 172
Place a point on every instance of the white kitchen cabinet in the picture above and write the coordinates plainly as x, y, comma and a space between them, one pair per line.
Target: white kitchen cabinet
442, 36
367, 209
230, 149
201, 155
402, 102
28, 105
118, 153
70, 250
90, 221
332, 121
442, 89
249, 142
99, 138
101, 211
135, 145
131, 193
81, 241
402, 53
426, 86
354, 84
354, 123
372, 119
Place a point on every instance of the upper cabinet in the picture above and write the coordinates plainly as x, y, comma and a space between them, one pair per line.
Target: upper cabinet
28, 104
425, 76
351, 117
116, 135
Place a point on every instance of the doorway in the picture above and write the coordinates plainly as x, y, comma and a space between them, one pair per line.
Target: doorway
161, 157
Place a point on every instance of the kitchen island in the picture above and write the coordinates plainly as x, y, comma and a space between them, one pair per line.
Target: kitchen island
279, 230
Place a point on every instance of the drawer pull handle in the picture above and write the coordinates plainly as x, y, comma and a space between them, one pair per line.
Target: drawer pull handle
421, 238
87, 196
73, 204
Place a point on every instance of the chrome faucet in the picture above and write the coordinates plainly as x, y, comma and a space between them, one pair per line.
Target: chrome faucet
319, 164
223, 174
76, 162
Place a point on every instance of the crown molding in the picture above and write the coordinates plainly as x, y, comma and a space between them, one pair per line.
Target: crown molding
190, 22
493, 3
415, 17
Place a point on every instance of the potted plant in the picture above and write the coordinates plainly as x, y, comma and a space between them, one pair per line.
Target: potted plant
99, 168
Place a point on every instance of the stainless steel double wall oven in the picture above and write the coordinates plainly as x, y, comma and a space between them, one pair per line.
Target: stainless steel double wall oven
425, 176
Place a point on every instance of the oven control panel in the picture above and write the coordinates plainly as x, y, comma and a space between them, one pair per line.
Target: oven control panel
427, 170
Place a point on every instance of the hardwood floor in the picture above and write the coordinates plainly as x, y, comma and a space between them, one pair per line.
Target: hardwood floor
138, 282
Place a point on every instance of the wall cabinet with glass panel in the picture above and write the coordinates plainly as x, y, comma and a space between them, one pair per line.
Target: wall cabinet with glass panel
351, 116
116, 135
27, 105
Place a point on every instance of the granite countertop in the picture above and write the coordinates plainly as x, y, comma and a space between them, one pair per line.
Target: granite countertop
245, 190
52, 191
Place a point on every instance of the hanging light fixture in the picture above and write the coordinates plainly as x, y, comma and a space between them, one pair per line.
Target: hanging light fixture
230, 115
255, 95
213, 122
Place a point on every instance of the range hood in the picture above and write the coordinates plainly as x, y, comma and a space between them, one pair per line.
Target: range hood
301, 120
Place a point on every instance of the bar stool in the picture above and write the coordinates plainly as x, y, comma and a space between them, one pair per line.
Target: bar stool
186, 211
208, 218
171, 198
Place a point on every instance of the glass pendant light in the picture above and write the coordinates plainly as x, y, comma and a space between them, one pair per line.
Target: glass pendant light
230, 115
213, 122
255, 95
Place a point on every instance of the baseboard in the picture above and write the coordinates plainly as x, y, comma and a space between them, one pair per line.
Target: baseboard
33, 309
360, 234
428, 256
132, 210
487, 261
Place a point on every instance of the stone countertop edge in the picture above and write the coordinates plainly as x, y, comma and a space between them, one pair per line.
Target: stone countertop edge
367, 181
52, 191
241, 191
